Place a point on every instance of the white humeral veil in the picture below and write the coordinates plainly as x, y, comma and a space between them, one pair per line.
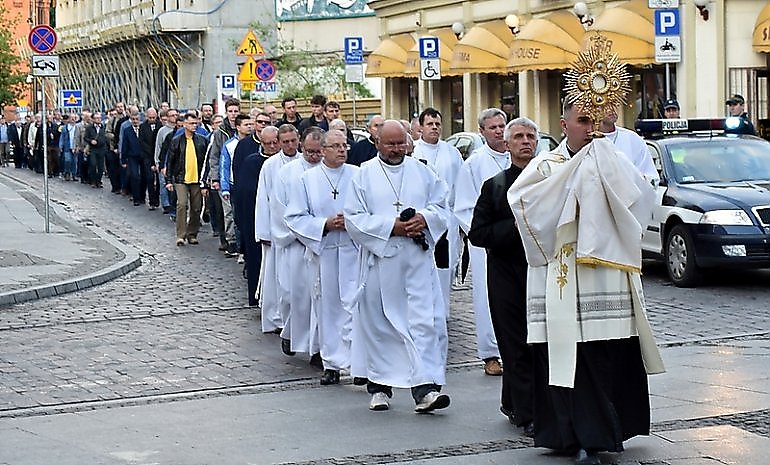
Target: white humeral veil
581, 220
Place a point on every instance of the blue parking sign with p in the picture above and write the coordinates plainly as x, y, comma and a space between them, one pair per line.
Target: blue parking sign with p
667, 22
428, 47
354, 50
227, 81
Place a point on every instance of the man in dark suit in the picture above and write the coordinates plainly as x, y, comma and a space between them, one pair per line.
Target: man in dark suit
366, 149
96, 138
148, 131
494, 228
131, 158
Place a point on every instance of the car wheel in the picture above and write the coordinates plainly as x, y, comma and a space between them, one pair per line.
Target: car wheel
680, 258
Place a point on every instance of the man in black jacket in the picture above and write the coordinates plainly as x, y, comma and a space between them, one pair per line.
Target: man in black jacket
97, 141
366, 149
290, 114
494, 228
148, 131
186, 155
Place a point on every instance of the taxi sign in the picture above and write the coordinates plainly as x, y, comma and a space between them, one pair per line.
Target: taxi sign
250, 46
71, 98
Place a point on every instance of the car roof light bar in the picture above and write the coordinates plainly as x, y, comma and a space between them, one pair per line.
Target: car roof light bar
660, 127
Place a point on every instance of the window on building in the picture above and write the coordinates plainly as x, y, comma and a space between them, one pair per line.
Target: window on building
648, 92
509, 95
414, 101
456, 98
752, 84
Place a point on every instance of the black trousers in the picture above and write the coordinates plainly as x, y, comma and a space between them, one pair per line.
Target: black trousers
136, 178
95, 162
507, 292
150, 183
19, 158
609, 404
418, 392
217, 215
113, 170
252, 250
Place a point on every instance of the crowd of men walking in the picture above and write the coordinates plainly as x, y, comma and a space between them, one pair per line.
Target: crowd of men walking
350, 248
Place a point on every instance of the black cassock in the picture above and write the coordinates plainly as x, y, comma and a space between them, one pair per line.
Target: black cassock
494, 228
244, 201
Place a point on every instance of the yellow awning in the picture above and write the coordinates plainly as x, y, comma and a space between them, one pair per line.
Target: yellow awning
550, 42
447, 41
630, 28
389, 58
485, 48
760, 41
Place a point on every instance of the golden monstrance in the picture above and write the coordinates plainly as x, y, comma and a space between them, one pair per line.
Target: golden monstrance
597, 81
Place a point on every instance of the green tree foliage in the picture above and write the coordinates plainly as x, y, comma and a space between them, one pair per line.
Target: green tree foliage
11, 78
303, 72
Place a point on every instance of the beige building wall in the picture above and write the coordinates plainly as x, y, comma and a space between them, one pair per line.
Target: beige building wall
717, 56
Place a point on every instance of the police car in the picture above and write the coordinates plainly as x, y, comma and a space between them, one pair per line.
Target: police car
713, 201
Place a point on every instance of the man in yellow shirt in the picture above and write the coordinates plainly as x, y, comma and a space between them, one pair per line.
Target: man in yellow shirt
186, 154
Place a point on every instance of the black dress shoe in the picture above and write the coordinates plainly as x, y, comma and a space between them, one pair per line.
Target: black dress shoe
330, 377
529, 429
509, 414
315, 361
360, 381
584, 457
286, 347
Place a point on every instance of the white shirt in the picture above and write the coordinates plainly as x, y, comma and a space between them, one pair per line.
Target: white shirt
633, 147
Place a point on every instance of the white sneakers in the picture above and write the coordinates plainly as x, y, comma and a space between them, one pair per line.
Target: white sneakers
379, 401
432, 401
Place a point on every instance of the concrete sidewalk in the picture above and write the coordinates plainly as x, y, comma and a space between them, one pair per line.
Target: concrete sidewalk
703, 410
36, 264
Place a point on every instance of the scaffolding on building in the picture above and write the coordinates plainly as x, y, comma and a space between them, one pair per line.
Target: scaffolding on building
141, 72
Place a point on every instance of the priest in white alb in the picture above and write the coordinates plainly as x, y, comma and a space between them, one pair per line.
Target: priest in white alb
314, 215
395, 212
299, 332
273, 318
446, 162
482, 164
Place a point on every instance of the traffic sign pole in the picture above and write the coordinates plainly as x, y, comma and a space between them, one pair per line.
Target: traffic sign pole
45, 161
42, 39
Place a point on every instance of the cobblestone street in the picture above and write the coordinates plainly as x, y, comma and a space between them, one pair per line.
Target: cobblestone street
177, 328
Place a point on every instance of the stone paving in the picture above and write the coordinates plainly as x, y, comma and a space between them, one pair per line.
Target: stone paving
176, 328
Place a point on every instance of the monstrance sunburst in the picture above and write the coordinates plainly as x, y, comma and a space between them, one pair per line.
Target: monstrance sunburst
597, 80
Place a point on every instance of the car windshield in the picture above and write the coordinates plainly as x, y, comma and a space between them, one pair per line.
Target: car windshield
721, 160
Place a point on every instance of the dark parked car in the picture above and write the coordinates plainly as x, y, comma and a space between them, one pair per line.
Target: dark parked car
713, 207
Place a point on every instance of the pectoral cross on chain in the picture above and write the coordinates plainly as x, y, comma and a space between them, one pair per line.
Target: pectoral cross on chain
335, 192
398, 205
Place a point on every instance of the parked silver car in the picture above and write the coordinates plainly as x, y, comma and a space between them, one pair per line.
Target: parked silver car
467, 142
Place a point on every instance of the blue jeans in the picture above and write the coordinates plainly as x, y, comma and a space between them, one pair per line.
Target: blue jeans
164, 200
69, 163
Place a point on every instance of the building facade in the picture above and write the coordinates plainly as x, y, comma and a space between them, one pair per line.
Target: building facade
497, 53
23, 15
148, 51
